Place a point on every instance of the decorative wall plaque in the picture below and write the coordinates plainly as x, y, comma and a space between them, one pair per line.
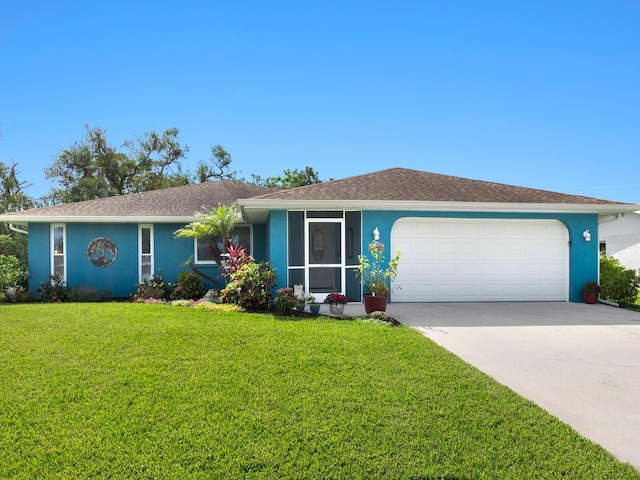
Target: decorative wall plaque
102, 252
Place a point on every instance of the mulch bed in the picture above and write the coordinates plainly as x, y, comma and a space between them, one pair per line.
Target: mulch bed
306, 314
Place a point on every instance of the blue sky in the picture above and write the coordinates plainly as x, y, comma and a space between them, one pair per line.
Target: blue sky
542, 94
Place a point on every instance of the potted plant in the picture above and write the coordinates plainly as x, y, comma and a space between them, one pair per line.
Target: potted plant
336, 303
590, 292
300, 305
314, 306
375, 275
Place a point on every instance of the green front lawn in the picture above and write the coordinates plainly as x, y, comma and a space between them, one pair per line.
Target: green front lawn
153, 391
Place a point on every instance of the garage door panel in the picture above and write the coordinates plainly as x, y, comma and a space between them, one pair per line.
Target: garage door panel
480, 260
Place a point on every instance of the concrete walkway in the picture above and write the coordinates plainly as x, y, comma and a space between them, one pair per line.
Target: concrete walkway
579, 362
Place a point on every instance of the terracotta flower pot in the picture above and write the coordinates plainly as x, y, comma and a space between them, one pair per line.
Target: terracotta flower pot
590, 297
377, 303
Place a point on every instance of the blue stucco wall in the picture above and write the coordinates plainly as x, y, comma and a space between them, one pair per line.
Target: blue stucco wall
583, 256
39, 257
269, 243
277, 240
170, 254
121, 277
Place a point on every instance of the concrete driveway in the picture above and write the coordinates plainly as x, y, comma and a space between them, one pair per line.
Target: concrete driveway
579, 362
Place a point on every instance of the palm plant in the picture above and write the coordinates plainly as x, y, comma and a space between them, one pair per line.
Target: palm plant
216, 223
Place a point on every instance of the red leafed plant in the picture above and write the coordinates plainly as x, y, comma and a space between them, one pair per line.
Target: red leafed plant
236, 257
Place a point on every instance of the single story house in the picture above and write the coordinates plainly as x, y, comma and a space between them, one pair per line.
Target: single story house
620, 238
460, 239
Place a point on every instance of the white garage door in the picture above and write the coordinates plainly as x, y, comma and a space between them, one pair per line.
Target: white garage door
477, 260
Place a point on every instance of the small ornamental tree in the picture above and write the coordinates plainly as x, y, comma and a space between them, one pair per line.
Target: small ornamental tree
376, 272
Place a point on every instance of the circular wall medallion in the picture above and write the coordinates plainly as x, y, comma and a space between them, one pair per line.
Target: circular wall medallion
102, 252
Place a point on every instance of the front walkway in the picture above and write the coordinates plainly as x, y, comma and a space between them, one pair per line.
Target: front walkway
579, 362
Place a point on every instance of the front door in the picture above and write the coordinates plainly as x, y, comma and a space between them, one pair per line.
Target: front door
324, 259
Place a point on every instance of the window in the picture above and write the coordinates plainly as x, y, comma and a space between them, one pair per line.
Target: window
58, 251
145, 247
206, 253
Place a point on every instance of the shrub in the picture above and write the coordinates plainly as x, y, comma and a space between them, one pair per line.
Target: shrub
618, 283
25, 297
13, 273
154, 288
87, 293
188, 287
53, 290
285, 299
250, 287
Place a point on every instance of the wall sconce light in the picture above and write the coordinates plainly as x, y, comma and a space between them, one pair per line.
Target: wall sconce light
376, 246
587, 235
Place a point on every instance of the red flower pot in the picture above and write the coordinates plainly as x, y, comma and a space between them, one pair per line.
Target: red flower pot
590, 297
377, 303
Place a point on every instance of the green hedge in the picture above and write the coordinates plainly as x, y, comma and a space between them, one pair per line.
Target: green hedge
619, 284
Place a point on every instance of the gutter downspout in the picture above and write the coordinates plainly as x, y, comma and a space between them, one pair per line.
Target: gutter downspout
13, 228
616, 216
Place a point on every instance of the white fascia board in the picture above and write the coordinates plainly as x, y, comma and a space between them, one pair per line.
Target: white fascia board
93, 219
253, 204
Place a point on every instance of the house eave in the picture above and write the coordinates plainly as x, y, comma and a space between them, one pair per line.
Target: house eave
24, 219
256, 211
253, 208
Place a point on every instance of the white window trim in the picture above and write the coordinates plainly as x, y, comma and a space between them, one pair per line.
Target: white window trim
151, 248
197, 261
52, 240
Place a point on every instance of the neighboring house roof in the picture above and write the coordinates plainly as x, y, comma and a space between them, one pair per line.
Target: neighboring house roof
166, 205
392, 189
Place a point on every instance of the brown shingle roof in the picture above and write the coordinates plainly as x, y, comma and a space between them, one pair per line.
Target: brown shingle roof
183, 201
392, 185
400, 184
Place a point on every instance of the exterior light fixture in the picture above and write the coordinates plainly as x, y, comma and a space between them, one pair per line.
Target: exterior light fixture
587, 235
376, 245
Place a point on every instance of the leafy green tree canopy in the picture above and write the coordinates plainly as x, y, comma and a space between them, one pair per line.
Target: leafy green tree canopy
219, 167
13, 199
12, 195
290, 179
92, 168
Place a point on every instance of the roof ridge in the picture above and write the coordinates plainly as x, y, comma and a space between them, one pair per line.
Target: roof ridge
329, 182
